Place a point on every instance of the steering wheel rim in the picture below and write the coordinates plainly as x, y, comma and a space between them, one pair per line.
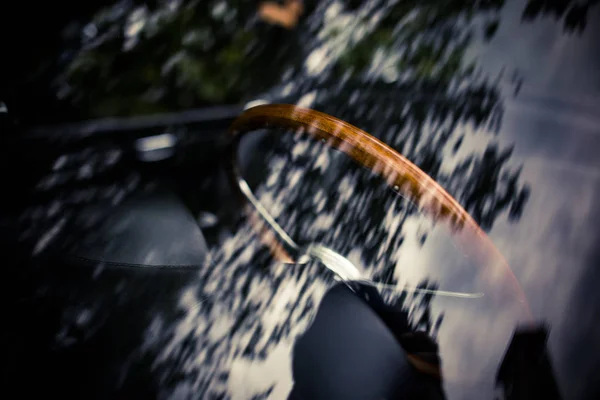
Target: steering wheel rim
399, 173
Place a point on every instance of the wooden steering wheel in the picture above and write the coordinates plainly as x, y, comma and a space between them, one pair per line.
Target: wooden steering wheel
399, 173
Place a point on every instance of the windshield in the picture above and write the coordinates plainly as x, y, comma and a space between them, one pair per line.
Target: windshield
497, 101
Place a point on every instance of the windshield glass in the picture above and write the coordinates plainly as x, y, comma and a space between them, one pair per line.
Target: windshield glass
497, 101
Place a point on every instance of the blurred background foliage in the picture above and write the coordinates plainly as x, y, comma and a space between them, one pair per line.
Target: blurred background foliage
136, 59
173, 55
131, 57
398, 69
572, 13
401, 70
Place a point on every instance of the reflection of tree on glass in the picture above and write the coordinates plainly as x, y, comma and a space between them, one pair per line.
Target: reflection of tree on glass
174, 56
397, 70
572, 13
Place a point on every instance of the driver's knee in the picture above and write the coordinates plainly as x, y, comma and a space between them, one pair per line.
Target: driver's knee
351, 352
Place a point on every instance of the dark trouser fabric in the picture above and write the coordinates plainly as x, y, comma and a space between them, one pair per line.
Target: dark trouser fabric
349, 352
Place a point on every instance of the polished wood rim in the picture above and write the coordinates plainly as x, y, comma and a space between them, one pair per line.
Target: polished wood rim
402, 175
